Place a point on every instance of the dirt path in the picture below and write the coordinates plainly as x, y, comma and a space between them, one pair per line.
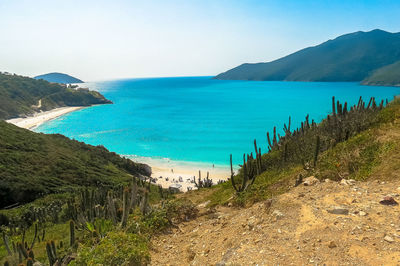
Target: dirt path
296, 228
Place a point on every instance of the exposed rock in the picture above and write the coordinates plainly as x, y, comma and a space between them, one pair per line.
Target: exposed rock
204, 204
389, 239
278, 214
338, 210
388, 200
268, 203
348, 182
310, 181
362, 213
332, 244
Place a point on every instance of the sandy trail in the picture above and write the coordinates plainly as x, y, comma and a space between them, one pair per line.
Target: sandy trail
292, 229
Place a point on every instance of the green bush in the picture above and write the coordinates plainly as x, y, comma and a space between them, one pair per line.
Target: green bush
117, 248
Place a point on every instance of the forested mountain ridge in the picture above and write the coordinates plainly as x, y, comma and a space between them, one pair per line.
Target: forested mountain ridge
33, 165
19, 96
350, 57
385, 76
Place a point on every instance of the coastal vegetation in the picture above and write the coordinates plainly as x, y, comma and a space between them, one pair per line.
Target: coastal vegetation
114, 224
385, 76
22, 96
68, 197
95, 226
34, 165
78, 204
351, 57
59, 78
349, 144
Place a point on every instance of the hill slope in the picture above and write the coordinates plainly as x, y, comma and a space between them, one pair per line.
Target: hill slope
33, 165
329, 222
385, 76
59, 78
350, 57
292, 229
20, 96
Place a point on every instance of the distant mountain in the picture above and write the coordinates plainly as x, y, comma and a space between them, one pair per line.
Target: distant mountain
350, 57
59, 78
21, 96
385, 76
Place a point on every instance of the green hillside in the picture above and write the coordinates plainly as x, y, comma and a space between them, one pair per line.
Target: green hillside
59, 78
350, 57
22, 96
33, 165
385, 76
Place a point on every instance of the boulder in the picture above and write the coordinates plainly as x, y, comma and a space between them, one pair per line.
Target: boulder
310, 181
388, 200
388, 239
338, 210
348, 182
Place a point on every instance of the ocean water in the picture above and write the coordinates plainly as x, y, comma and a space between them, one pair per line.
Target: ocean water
198, 119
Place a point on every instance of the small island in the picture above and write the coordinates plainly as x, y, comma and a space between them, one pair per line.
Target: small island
56, 77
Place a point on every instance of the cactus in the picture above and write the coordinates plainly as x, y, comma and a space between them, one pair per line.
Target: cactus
287, 128
303, 145
317, 148
50, 254
125, 207
53, 247
248, 169
22, 250
43, 234
144, 205
31, 255
269, 142
29, 262
370, 102
71, 233
134, 192
299, 180
112, 212
205, 183
6, 244
34, 236
23, 236
6, 263
274, 140
258, 155
333, 106
285, 152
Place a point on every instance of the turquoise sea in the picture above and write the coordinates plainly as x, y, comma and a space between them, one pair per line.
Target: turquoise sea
199, 119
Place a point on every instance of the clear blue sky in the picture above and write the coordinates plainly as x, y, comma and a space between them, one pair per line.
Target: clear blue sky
98, 40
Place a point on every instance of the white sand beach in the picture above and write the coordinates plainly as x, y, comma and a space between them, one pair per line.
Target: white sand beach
165, 171
168, 172
37, 119
184, 176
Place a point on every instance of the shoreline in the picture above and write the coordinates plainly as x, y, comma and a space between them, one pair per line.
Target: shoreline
32, 122
165, 171
168, 172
